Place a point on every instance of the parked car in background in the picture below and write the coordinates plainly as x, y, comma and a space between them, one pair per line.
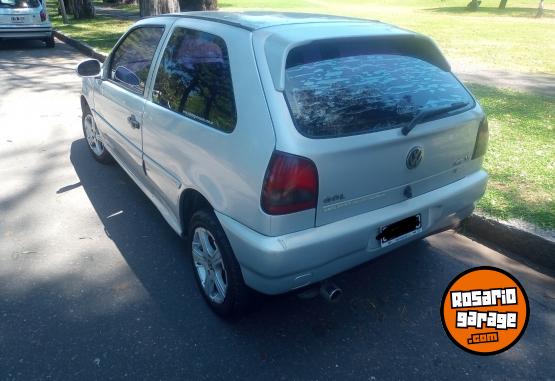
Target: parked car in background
286, 147
25, 19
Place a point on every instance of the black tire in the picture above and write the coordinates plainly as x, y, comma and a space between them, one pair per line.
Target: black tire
50, 43
239, 297
104, 157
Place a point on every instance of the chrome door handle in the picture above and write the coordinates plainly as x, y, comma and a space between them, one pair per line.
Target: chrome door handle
133, 122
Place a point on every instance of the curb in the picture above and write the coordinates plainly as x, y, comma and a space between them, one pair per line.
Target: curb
81, 46
515, 243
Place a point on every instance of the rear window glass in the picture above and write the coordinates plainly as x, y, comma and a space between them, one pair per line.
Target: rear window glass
346, 89
19, 3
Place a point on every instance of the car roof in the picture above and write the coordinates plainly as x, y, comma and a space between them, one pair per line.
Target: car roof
254, 20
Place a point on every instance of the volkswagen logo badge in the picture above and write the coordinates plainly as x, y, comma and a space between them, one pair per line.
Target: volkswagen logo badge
415, 157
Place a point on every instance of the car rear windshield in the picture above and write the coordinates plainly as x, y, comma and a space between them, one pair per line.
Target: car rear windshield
19, 3
340, 88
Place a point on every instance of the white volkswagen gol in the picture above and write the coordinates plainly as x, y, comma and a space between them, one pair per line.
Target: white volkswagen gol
25, 19
286, 148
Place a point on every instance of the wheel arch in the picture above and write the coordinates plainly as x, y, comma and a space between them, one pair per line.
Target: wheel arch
84, 104
190, 202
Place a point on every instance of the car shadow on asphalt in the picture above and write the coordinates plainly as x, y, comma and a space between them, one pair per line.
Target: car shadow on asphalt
150, 247
389, 311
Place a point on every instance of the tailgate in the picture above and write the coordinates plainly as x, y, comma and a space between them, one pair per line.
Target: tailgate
350, 101
16, 12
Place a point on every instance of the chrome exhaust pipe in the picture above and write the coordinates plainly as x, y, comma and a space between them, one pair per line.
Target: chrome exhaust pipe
330, 291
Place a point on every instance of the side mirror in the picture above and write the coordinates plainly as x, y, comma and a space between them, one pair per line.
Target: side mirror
89, 68
126, 76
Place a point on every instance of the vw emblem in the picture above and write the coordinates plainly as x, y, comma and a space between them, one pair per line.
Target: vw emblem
415, 157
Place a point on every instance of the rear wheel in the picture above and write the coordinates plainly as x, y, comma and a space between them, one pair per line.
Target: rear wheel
50, 43
94, 139
216, 269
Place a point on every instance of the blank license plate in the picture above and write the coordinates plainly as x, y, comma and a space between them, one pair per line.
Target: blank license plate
18, 19
399, 230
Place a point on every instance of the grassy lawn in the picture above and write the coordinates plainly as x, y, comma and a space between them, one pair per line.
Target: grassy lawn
510, 39
521, 157
101, 32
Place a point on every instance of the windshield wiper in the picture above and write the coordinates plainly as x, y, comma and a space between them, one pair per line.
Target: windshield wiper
429, 113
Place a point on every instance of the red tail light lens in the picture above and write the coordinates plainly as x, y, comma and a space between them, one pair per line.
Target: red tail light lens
482, 139
42, 15
290, 184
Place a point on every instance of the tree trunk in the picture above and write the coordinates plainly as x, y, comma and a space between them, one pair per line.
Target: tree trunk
62, 7
473, 5
69, 5
540, 9
83, 9
198, 5
158, 7
502, 4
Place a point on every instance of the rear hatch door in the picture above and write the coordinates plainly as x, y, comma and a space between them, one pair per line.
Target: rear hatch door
15, 13
351, 101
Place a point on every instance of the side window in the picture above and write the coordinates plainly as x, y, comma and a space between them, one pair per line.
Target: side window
132, 59
194, 79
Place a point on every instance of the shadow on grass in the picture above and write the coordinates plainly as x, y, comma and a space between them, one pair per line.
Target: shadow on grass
98, 32
520, 155
494, 11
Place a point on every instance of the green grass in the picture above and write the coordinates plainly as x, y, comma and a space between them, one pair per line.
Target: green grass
124, 7
510, 39
521, 156
101, 32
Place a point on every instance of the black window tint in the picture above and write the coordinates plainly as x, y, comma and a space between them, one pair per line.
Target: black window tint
133, 57
194, 79
348, 89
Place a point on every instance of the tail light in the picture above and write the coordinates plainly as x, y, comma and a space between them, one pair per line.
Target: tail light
290, 184
43, 16
481, 139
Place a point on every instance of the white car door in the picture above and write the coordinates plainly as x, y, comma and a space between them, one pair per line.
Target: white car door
119, 101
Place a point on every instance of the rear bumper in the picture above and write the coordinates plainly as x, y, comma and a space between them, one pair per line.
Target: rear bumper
28, 31
275, 265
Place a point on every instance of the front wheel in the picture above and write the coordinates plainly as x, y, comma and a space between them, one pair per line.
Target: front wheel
94, 139
217, 272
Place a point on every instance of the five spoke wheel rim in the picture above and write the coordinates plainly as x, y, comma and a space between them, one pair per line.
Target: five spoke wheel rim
93, 136
209, 265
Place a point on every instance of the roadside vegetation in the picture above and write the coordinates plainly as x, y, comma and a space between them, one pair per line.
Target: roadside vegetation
521, 157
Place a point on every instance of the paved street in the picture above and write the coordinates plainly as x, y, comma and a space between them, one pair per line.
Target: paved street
94, 284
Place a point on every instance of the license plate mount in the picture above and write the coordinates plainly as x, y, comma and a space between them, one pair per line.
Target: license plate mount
400, 230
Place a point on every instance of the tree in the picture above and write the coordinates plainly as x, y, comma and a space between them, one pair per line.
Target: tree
473, 5
62, 8
198, 5
158, 7
502, 4
83, 9
540, 9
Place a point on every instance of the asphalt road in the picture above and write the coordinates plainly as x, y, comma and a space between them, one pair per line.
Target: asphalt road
94, 283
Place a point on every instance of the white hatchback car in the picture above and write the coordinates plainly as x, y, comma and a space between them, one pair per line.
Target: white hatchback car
286, 147
25, 19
